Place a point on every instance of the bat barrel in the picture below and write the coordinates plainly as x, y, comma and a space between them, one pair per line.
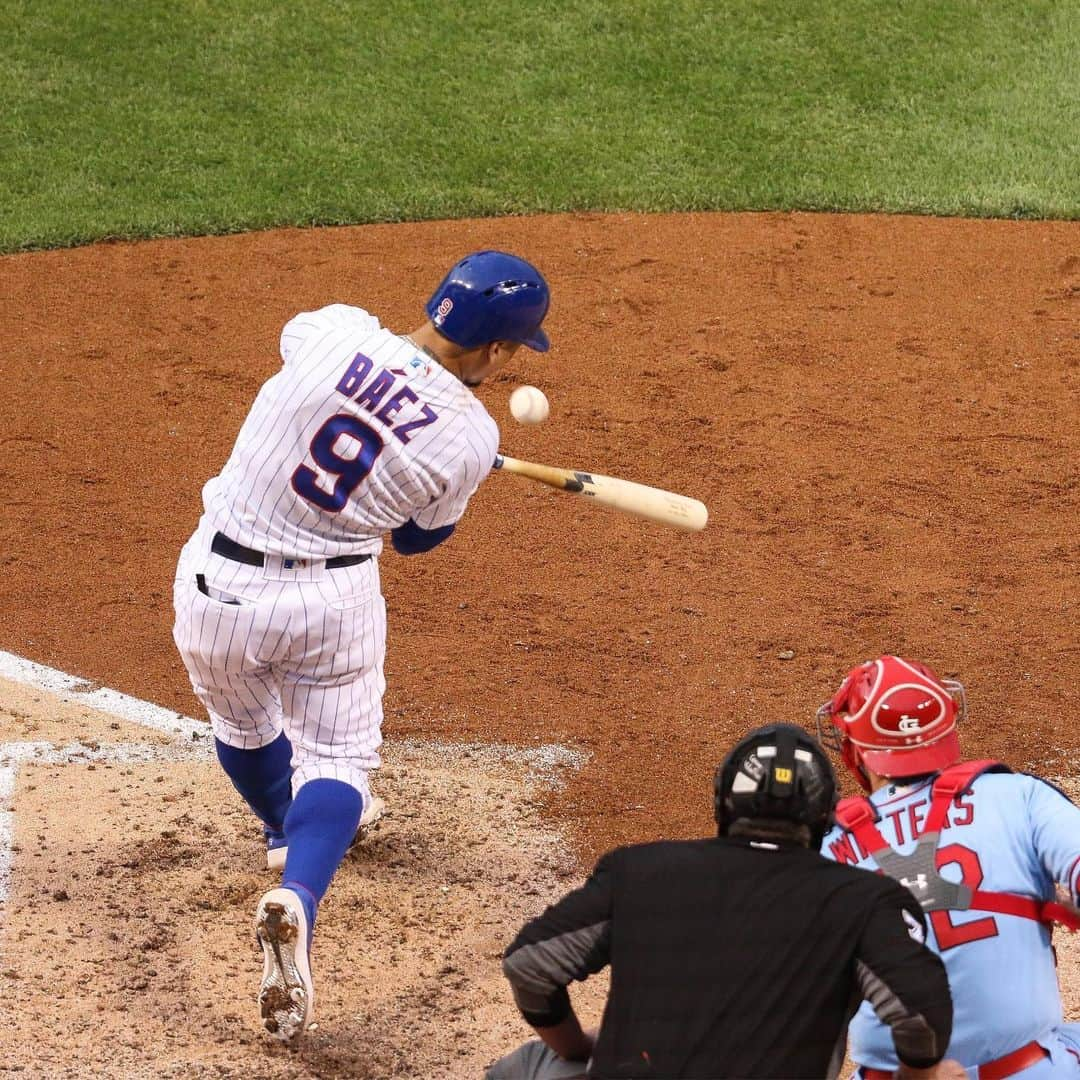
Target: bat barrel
653, 504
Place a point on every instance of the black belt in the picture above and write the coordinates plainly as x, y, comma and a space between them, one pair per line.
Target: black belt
230, 549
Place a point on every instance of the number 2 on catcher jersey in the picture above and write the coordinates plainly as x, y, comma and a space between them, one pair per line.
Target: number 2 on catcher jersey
948, 933
345, 448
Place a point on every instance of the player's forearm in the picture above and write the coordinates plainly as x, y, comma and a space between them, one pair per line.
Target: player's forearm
904, 981
567, 1038
920, 1018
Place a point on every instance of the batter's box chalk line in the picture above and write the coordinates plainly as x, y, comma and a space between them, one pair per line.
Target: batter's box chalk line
76, 691
190, 739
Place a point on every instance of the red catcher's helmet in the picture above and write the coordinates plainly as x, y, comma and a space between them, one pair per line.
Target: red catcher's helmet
895, 717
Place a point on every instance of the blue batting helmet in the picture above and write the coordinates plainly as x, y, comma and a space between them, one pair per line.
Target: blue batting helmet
491, 296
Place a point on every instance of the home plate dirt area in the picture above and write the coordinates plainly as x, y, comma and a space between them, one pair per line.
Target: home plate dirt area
879, 412
127, 944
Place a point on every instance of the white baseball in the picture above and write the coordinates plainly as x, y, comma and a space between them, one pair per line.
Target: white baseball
528, 405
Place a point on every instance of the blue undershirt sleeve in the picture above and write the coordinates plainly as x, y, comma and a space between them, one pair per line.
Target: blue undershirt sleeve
410, 539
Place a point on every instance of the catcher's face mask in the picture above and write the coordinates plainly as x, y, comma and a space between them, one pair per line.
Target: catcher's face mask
894, 717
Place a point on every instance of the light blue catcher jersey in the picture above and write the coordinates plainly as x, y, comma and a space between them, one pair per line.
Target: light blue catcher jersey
1008, 833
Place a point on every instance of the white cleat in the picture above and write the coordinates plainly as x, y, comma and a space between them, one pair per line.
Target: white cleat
286, 996
278, 850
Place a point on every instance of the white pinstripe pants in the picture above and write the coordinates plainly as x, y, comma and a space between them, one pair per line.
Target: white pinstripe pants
301, 650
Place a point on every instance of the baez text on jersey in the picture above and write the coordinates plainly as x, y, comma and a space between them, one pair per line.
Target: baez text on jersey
384, 395
342, 469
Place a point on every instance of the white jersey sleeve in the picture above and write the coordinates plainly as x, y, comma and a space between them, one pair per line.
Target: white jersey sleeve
335, 316
475, 451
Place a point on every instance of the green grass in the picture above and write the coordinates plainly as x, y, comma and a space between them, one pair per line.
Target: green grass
146, 117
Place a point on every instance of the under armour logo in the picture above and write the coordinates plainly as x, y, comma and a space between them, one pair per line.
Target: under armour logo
918, 882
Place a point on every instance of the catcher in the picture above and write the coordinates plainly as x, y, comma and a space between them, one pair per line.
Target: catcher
734, 956
980, 846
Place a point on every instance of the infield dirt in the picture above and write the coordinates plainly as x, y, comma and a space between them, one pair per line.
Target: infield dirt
882, 414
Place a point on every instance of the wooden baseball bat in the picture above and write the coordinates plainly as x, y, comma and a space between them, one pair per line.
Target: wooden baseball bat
655, 504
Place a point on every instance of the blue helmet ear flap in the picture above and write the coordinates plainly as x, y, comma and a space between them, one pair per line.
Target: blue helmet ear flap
491, 296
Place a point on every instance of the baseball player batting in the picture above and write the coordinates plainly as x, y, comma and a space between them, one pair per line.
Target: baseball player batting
980, 848
279, 616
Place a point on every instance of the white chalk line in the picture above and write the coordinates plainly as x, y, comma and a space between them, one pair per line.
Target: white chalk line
190, 740
75, 691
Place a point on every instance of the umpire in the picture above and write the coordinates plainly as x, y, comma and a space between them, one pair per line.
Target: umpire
743, 955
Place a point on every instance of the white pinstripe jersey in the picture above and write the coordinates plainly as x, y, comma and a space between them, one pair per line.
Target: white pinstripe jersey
359, 432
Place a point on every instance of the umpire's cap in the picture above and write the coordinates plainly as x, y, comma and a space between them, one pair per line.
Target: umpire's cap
491, 296
777, 772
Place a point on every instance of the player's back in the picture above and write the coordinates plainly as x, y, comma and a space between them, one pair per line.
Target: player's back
357, 433
1008, 833
726, 953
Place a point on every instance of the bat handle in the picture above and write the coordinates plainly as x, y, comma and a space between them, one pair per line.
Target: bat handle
498, 461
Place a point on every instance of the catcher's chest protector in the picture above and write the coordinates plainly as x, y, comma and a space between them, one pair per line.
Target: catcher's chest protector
918, 869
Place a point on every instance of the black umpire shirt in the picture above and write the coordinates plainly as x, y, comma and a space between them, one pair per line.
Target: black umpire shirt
734, 958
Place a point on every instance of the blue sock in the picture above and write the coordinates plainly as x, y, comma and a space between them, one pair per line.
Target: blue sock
319, 826
311, 906
263, 776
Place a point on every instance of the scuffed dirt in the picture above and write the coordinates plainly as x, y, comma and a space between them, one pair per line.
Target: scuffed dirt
127, 947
